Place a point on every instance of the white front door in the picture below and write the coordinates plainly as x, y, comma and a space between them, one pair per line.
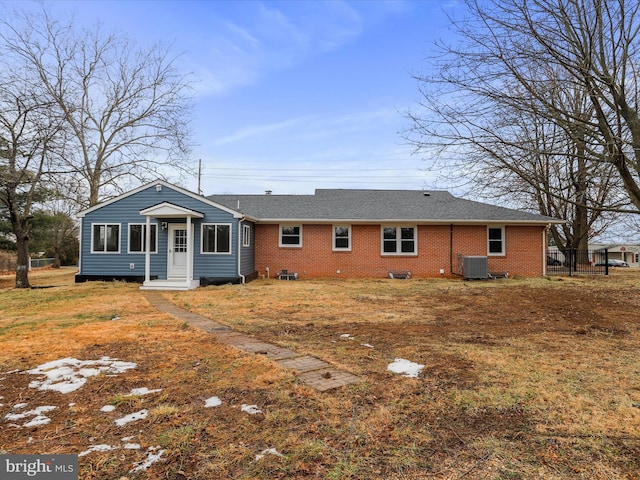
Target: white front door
177, 258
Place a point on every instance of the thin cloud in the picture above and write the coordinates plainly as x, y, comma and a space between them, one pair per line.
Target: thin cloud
259, 130
242, 51
312, 127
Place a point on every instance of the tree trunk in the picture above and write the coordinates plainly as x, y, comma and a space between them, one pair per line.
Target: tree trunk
56, 257
20, 229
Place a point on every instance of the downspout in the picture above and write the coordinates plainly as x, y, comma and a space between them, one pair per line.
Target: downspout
240, 231
545, 246
451, 249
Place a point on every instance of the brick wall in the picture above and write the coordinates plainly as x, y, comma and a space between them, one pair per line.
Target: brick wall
524, 251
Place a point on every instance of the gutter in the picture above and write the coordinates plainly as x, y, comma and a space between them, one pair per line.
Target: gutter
408, 221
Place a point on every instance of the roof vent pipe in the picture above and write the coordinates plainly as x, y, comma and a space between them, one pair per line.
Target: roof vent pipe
267, 192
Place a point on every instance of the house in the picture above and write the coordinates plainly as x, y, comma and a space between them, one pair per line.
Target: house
195, 240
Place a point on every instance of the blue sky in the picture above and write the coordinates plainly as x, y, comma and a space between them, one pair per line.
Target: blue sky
297, 95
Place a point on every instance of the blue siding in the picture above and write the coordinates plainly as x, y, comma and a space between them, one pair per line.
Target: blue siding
247, 254
126, 210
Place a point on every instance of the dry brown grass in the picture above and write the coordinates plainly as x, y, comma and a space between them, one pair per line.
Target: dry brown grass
523, 378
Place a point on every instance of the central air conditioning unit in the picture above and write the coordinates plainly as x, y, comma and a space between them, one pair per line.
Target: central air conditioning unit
474, 268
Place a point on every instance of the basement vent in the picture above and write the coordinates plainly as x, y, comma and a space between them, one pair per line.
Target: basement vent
475, 267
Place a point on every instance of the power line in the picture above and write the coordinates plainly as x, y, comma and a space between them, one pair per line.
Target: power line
295, 169
319, 180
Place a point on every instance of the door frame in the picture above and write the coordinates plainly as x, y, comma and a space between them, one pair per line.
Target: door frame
173, 227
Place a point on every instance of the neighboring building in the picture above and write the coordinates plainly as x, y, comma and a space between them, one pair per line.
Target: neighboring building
196, 240
628, 253
616, 251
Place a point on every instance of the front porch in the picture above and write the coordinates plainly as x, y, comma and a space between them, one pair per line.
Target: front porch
180, 252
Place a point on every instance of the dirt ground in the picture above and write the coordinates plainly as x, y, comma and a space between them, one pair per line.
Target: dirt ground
522, 378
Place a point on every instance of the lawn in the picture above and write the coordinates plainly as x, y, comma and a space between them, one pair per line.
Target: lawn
522, 378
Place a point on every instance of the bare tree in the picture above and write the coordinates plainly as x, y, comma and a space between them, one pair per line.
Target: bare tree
126, 107
28, 141
541, 98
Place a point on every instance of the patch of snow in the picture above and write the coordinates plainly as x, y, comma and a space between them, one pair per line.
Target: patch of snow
367, 345
109, 448
150, 460
250, 409
126, 439
89, 372
132, 417
108, 408
37, 421
405, 367
19, 406
37, 414
212, 402
69, 374
97, 448
347, 335
268, 451
137, 392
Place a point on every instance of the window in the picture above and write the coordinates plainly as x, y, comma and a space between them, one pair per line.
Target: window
216, 238
105, 238
138, 238
290, 236
246, 236
399, 240
342, 238
495, 240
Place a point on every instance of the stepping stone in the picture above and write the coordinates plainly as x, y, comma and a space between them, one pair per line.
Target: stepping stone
328, 378
303, 364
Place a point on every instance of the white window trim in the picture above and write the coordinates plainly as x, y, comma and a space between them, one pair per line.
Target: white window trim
106, 252
246, 235
399, 242
333, 238
287, 245
144, 226
230, 252
502, 253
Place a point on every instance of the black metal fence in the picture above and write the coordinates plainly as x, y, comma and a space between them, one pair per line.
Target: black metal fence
578, 262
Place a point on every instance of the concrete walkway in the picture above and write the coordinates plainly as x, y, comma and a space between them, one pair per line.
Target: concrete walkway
310, 370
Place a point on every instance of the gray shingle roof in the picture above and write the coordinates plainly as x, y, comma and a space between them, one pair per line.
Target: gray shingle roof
374, 205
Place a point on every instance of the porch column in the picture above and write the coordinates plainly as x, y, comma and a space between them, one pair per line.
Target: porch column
189, 252
147, 251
